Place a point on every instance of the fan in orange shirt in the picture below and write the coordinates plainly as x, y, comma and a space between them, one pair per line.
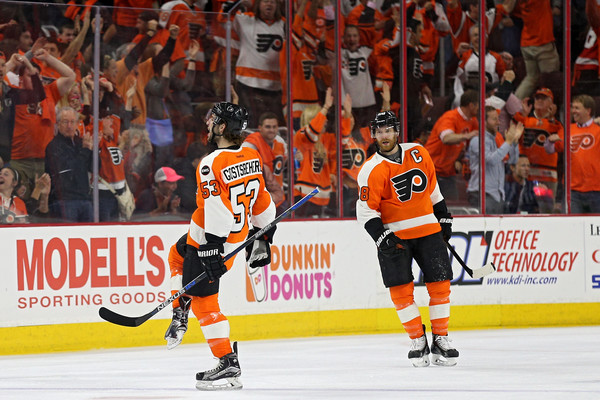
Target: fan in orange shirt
585, 151
446, 143
543, 139
315, 150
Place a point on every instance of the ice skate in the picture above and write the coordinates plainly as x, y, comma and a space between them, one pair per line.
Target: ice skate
419, 351
442, 352
225, 376
179, 324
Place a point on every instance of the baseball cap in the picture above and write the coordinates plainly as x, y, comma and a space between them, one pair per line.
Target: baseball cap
545, 92
166, 174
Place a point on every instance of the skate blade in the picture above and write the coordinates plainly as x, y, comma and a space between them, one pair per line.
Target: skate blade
441, 361
173, 342
220, 384
420, 362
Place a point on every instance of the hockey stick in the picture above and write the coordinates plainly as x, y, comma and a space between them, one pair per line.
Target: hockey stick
123, 320
475, 273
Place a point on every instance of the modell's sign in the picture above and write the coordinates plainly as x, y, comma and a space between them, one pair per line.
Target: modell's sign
49, 271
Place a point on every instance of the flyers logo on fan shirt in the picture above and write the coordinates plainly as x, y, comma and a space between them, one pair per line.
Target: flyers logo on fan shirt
534, 137
353, 157
116, 155
307, 68
266, 41
583, 142
356, 65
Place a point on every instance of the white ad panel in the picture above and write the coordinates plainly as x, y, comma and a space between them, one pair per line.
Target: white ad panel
64, 274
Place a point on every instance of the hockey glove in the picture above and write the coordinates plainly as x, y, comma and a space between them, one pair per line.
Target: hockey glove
259, 254
210, 257
446, 224
444, 218
389, 244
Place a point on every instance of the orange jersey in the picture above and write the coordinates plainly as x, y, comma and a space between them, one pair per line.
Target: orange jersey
15, 205
111, 158
125, 15
34, 126
585, 152
303, 60
537, 22
318, 161
543, 165
231, 196
354, 151
274, 156
125, 78
461, 23
430, 35
401, 194
444, 155
364, 18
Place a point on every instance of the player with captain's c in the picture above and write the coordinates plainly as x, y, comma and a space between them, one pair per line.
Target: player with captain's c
401, 207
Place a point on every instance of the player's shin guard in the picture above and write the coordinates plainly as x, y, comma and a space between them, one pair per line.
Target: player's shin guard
409, 315
442, 352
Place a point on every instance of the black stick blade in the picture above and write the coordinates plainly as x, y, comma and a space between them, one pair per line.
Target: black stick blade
122, 320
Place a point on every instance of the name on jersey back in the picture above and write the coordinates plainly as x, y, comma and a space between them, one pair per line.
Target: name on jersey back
241, 170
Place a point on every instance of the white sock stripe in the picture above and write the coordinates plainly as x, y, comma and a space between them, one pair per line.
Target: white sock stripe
216, 331
176, 282
439, 311
408, 313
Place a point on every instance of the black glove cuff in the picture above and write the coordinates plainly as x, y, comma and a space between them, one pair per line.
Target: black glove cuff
375, 228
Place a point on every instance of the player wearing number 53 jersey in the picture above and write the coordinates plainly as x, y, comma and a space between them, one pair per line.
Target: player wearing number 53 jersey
401, 207
231, 200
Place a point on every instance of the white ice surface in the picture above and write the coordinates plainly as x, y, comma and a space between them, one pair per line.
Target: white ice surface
543, 363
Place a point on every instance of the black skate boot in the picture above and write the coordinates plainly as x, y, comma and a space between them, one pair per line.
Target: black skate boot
226, 375
179, 324
419, 351
442, 352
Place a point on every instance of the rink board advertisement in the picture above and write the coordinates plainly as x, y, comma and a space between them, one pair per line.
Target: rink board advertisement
64, 274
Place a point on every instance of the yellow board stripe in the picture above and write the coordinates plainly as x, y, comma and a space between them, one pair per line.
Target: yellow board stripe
104, 335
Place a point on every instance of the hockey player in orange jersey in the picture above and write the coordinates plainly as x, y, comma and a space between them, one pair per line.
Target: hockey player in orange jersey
401, 207
232, 201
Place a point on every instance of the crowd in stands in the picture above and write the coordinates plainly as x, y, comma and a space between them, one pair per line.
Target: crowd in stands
162, 65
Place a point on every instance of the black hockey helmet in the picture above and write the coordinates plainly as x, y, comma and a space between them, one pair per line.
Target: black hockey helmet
234, 116
384, 119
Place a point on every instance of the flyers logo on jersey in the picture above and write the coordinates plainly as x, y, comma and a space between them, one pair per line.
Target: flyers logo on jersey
584, 142
115, 155
278, 165
268, 41
411, 181
534, 137
307, 68
353, 158
356, 65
